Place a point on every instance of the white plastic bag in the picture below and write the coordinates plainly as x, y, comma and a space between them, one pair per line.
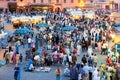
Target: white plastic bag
79, 77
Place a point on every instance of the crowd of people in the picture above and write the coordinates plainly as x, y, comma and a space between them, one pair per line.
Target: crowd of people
90, 37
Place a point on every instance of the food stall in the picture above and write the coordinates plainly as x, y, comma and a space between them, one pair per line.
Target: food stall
90, 14
17, 21
76, 14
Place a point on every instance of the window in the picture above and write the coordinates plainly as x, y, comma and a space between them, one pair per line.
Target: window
72, 1
34, 1
57, 1
41, 1
64, 1
49, 1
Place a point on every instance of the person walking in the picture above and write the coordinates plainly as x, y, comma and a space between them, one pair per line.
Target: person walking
95, 60
69, 60
11, 56
90, 72
90, 51
21, 58
84, 59
74, 59
74, 73
6, 51
90, 61
58, 73
7, 57
29, 42
17, 72
17, 57
95, 74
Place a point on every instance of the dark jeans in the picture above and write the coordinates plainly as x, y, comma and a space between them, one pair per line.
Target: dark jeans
90, 75
111, 78
104, 51
7, 61
15, 77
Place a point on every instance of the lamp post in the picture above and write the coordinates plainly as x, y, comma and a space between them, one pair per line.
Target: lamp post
82, 3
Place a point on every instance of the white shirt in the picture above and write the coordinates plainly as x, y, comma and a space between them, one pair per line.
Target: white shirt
104, 45
95, 73
64, 57
70, 58
61, 55
90, 51
29, 40
11, 53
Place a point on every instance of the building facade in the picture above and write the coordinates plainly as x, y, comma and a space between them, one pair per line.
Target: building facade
113, 5
14, 5
26, 5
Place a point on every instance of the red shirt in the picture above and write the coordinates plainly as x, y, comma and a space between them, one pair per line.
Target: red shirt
63, 51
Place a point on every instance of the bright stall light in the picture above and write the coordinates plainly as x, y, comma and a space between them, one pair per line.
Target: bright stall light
112, 35
82, 3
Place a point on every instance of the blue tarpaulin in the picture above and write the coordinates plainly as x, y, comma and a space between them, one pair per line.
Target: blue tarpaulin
68, 28
39, 25
23, 31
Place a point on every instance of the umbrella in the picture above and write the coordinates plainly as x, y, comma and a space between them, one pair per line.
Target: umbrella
23, 31
41, 25
68, 28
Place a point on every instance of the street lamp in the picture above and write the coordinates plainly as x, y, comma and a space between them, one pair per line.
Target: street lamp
82, 3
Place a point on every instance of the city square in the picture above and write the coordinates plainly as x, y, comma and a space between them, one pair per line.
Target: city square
59, 40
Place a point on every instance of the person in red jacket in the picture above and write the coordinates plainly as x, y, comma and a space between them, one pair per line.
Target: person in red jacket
109, 61
63, 51
44, 53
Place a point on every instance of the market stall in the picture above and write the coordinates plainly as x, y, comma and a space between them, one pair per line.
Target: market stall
76, 14
90, 14
23, 31
25, 20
